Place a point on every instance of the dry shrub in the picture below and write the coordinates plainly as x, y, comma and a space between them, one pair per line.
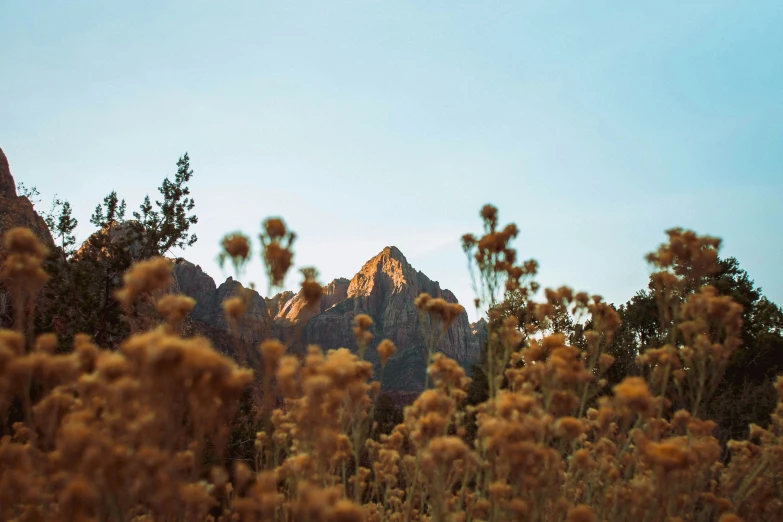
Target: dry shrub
140, 433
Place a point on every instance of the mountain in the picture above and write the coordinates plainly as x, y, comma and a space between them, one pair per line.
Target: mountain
384, 288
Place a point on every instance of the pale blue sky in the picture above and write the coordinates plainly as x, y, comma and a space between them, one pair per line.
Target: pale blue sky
594, 126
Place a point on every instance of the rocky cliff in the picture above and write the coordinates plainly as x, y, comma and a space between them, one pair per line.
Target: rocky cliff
17, 211
384, 289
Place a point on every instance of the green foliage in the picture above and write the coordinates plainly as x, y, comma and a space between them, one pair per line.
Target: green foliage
61, 223
167, 225
112, 212
30, 193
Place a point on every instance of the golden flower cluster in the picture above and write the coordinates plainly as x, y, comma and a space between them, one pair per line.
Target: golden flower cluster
386, 349
22, 272
277, 242
437, 307
312, 291
174, 309
362, 324
145, 277
236, 247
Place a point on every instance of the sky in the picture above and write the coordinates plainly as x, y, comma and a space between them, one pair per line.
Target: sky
594, 126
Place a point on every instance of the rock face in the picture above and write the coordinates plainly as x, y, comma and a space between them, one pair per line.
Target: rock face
384, 289
7, 185
17, 211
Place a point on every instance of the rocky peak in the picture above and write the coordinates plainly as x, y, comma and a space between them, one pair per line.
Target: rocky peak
275, 304
384, 288
386, 273
7, 185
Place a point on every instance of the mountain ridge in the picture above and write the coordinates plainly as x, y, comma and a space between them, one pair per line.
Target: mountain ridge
384, 288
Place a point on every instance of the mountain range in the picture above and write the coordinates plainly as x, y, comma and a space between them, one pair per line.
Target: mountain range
384, 288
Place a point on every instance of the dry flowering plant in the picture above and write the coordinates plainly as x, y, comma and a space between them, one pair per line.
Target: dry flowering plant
140, 433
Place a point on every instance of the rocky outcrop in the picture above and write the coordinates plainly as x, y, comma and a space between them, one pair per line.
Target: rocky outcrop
18, 211
276, 303
191, 280
334, 292
479, 329
384, 288
7, 184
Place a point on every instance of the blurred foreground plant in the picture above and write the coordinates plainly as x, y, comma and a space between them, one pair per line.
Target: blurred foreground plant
141, 433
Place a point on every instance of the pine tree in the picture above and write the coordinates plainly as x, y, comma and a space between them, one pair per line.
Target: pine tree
168, 225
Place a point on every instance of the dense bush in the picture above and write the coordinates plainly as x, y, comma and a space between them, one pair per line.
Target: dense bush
574, 415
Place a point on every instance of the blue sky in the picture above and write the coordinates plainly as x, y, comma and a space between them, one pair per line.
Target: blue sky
594, 126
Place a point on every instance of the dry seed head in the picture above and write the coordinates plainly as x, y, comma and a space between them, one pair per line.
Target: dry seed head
447, 449
23, 241
687, 255
634, 393
605, 361
275, 228
272, 350
421, 301
581, 513
489, 213
569, 428
311, 289
22, 268
11, 341
150, 276
174, 308
237, 246
361, 329
278, 260
234, 308
363, 321
439, 308
46, 343
386, 349
669, 455
347, 511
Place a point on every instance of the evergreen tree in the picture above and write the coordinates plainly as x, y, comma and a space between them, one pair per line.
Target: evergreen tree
167, 225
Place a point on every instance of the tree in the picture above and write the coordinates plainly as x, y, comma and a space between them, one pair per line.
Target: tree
640, 328
30, 193
745, 394
61, 224
81, 295
111, 213
168, 227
